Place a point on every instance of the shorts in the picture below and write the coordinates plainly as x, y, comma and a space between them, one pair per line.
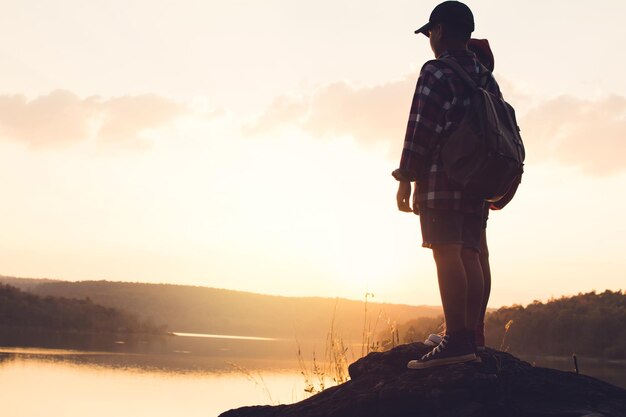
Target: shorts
451, 227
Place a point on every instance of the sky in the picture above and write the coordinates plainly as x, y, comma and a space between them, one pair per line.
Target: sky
248, 145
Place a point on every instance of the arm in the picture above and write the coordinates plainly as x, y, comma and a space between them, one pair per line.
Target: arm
422, 127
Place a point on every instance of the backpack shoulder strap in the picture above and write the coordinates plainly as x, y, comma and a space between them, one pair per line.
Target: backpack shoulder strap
458, 69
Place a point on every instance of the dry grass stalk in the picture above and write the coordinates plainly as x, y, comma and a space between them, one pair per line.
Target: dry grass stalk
507, 326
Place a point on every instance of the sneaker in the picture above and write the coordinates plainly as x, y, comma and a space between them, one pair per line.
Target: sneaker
454, 348
433, 339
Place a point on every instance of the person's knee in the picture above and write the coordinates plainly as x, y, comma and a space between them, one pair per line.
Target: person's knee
447, 253
470, 256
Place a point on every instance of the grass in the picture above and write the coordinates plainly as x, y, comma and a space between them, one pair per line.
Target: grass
333, 370
256, 379
507, 326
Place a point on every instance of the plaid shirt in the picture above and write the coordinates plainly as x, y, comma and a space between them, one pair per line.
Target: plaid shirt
437, 108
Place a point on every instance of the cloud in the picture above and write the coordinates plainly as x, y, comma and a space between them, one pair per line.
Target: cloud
370, 114
61, 118
585, 133
574, 131
124, 118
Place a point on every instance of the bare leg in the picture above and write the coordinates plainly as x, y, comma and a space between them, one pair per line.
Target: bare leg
484, 263
474, 273
452, 285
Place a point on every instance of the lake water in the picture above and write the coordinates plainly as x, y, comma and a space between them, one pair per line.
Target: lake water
43, 386
190, 375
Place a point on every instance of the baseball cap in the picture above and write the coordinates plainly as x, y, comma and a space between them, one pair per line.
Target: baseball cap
452, 13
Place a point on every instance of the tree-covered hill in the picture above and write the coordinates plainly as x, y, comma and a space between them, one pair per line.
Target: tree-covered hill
193, 309
587, 324
19, 309
591, 324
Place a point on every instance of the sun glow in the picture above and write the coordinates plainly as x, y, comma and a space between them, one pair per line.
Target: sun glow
256, 156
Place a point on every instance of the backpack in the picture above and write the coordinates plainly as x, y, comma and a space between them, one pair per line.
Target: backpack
485, 153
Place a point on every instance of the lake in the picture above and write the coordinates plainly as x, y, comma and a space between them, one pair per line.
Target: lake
190, 374
43, 384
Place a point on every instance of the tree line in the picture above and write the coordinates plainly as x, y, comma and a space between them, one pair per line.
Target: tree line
588, 324
22, 309
193, 309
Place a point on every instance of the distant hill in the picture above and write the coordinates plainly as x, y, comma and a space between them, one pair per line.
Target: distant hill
19, 309
218, 311
25, 284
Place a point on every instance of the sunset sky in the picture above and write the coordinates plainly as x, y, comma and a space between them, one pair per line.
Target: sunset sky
248, 145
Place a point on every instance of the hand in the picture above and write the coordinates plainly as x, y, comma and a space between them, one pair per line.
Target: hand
403, 197
416, 203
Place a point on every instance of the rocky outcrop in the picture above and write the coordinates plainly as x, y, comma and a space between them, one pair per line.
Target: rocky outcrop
500, 386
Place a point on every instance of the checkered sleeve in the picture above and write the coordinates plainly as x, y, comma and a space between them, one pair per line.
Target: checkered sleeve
424, 122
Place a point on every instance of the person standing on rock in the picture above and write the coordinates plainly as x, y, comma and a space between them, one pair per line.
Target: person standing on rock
483, 52
451, 221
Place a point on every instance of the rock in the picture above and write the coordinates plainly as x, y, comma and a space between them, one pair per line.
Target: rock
500, 386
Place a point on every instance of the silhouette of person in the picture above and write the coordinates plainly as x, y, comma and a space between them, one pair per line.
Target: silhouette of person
482, 50
451, 221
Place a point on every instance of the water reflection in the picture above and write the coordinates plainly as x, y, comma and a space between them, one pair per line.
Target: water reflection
130, 376
163, 363
186, 358
69, 382
73, 389
224, 336
156, 376
198, 343
168, 353
6, 358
